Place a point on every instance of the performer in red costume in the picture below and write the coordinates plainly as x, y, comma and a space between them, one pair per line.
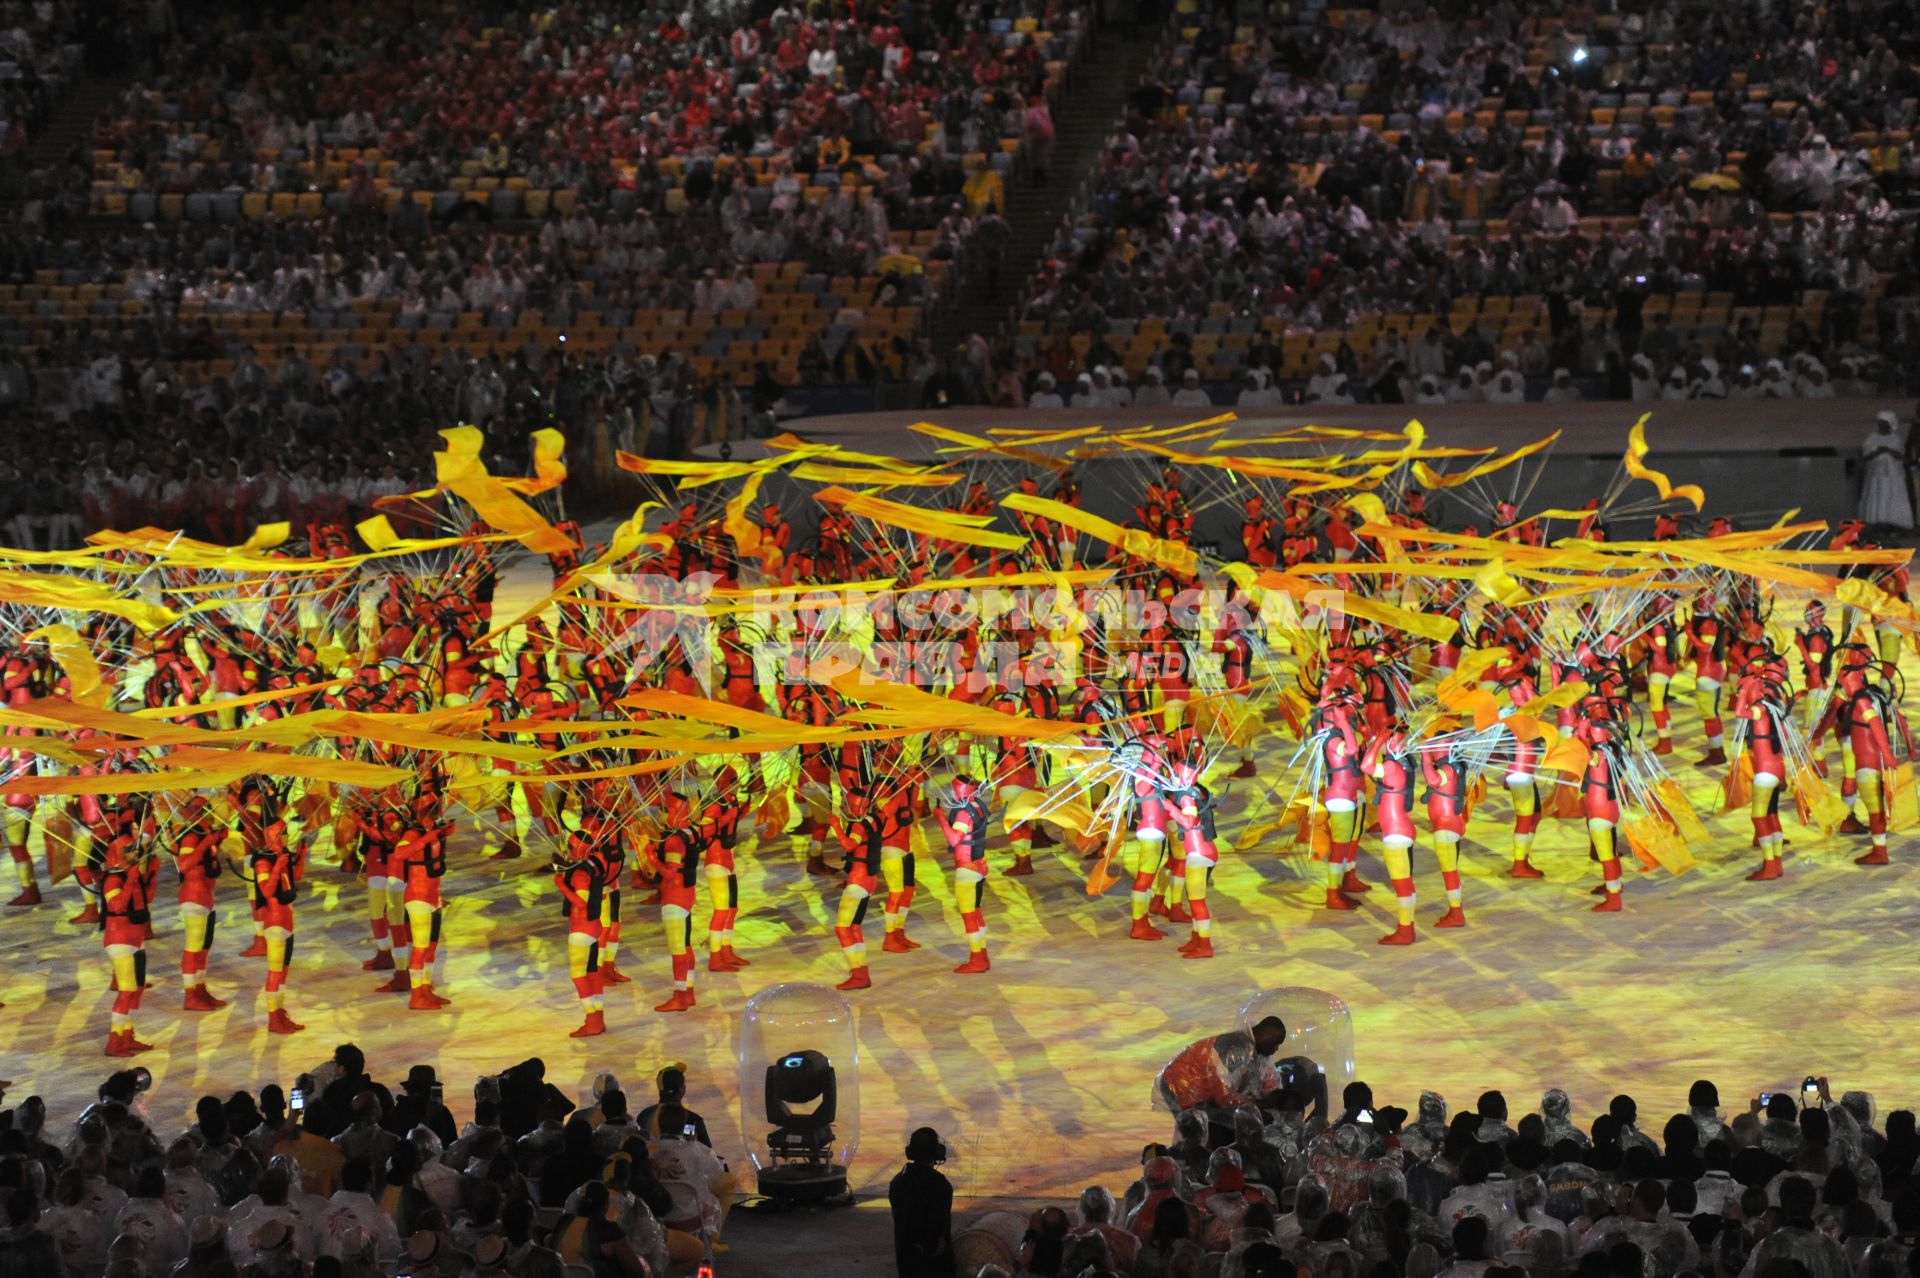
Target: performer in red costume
1815, 644
1256, 534
196, 856
583, 876
1708, 635
719, 832
1600, 802
126, 918
679, 857
1389, 764
1341, 795
1866, 717
1664, 641
861, 835
1190, 804
1149, 819
381, 828
419, 861
963, 820
1759, 706
1447, 815
277, 870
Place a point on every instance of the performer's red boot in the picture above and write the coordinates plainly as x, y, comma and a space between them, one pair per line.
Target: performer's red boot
1714, 758
380, 962
1021, 867
1852, 825
976, 962
1178, 914
717, 961
1246, 769
1158, 908
257, 950
89, 915
1523, 869
896, 942
1145, 931
1402, 935
595, 1024
280, 1023
29, 895
1454, 917
117, 1044
1770, 868
1335, 901
1199, 947
681, 1001
400, 984
1663, 746
1352, 885
1876, 857
817, 865
733, 956
198, 1000
857, 979
613, 975
510, 850
425, 1000
1611, 905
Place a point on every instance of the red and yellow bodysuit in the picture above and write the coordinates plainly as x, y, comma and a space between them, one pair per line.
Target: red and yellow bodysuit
276, 871
861, 835
419, 863
196, 855
1708, 637
582, 880
679, 857
126, 915
965, 826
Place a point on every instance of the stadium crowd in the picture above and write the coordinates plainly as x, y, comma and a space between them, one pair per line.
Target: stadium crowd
1566, 179
339, 1174
1792, 1185
40, 52
324, 232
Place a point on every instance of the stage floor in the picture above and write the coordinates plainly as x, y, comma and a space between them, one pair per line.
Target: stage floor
1038, 1072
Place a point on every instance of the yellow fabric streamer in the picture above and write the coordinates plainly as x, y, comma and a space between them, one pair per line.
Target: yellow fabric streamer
1133, 541
74, 594
938, 524
1634, 461
1432, 478
74, 657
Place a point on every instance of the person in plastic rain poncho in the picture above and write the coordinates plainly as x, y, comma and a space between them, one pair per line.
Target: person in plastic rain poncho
1217, 1074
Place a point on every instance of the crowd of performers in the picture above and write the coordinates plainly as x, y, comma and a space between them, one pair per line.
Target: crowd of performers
230, 713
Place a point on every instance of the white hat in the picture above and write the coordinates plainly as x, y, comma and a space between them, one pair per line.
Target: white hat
1560, 373
1045, 378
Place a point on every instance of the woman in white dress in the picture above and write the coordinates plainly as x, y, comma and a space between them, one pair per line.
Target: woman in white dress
1884, 500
